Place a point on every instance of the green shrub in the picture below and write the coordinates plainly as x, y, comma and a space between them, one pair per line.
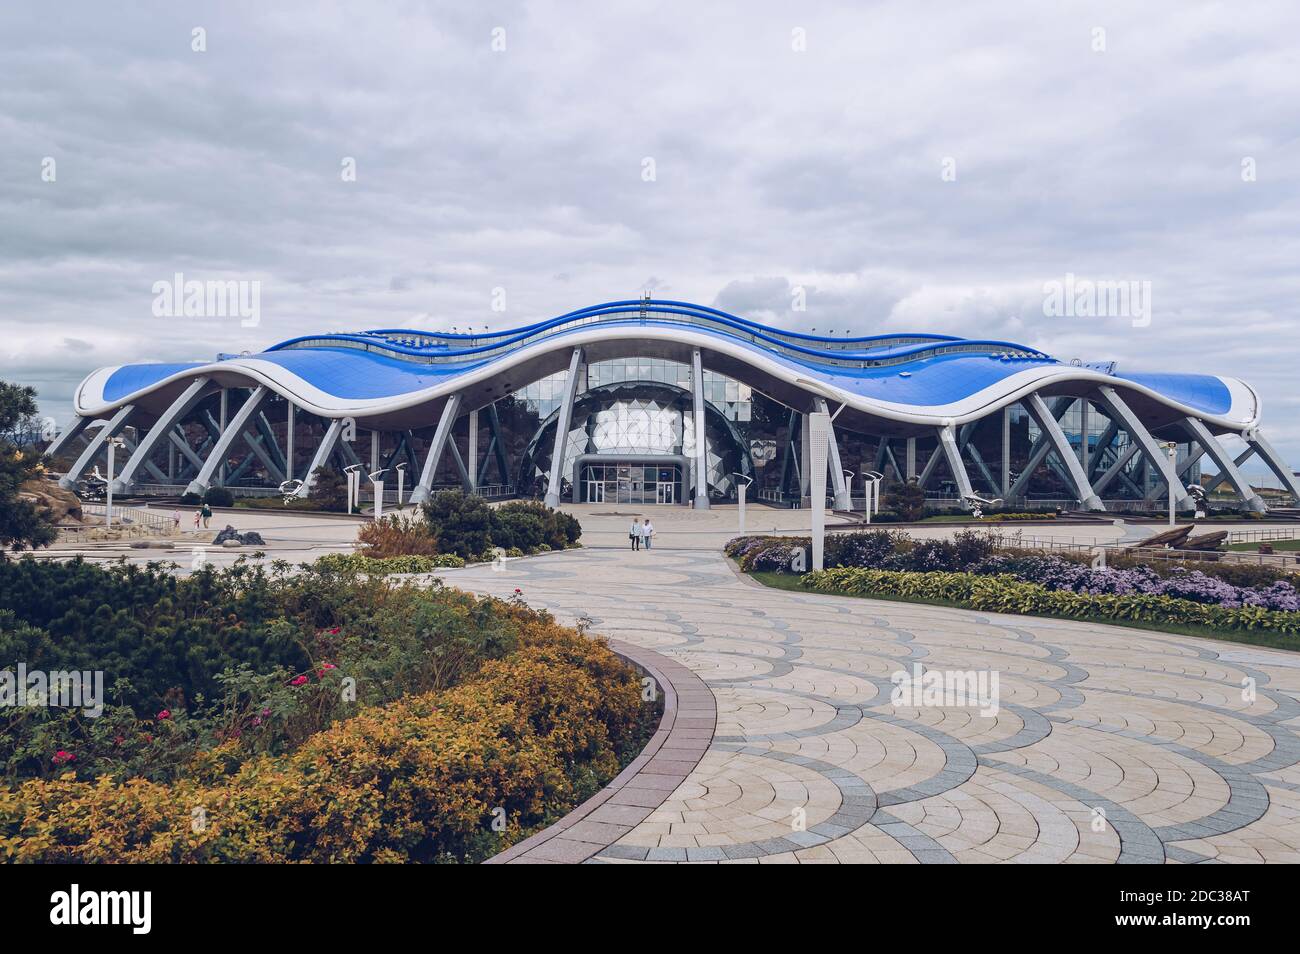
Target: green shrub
462, 524
219, 497
363, 563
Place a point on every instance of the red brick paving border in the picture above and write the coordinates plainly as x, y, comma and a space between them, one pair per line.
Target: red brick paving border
683, 736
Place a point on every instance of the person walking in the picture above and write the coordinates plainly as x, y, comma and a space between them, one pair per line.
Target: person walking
634, 534
176, 521
207, 514
647, 533
198, 518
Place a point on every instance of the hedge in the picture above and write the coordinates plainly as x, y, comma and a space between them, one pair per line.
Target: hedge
386, 565
1006, 594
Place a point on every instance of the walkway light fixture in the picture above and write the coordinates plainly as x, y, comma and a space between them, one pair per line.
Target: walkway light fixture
401, 482
741, 490
353, 474
377, 484
113, 444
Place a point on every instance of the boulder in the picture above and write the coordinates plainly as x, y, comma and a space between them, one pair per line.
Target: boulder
46, 494
233, 538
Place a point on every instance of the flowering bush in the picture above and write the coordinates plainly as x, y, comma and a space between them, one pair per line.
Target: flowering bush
530, 735
1054, 573
1002, 593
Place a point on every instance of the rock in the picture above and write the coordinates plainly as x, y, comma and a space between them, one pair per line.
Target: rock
232, 537
63, 505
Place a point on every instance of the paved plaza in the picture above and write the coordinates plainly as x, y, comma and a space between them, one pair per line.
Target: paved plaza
1110, 745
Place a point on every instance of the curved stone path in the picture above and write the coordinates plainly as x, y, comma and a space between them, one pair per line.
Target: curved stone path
1110, 744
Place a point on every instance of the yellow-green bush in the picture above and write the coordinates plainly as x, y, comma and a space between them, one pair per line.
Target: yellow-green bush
532, 734
1006, 594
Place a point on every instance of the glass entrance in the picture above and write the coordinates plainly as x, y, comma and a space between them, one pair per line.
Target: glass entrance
630, 483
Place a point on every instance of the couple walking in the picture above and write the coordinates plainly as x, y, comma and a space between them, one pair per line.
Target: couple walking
641, 534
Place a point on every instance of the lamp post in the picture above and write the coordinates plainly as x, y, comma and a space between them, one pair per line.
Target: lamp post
741, 490
113, 444
353, 474
377, 482
1171, 448
401, 481
871, 489
848, 482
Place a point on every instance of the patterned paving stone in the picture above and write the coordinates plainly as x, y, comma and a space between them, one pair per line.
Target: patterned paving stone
1108, 744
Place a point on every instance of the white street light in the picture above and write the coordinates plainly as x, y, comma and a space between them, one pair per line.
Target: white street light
1171, 448
401, 481
113, 444
871, 481
741, 490
377, 481
848, 482
353, 474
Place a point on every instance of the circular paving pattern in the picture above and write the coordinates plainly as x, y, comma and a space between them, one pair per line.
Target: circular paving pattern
1108, 744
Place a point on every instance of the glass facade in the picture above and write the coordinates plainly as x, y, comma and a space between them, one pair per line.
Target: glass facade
635, 419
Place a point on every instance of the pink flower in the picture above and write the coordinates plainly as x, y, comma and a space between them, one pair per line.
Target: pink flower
266, 713
334, 631
300, 681
518, 590
165, 714
63, 758
326, 667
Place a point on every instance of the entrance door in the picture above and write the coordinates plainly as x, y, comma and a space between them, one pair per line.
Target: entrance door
666, 495
595, 491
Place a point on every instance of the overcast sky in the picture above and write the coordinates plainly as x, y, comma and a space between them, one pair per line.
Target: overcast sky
913, 165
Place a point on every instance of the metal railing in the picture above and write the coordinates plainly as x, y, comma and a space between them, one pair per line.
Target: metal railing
140, 516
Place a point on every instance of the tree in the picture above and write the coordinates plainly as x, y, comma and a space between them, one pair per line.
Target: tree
330, 489
905, 499
22, 522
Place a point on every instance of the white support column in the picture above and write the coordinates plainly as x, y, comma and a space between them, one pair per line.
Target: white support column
1202, 435
1120, 412
181, 444
562, 430
472, 450
421, 491
1048, 424
1275, 463
60, 443
289, 438
374, 450
1115, 469
1038, 453
911, 458
1006, 452
162, 427
1240, 459
701, 448
222, 420
819, 427
1084, 425
321, 457
838, 486
952, 454
96, 444
215, 464
804, 456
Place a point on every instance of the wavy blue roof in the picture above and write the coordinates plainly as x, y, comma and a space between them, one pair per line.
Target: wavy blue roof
922, 370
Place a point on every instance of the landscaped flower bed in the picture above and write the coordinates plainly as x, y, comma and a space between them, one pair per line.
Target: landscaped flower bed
1006, 594
982, 571
313, 716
